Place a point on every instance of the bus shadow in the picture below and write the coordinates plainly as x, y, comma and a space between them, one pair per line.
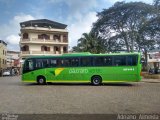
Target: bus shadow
81, 84
59, 84
119, 84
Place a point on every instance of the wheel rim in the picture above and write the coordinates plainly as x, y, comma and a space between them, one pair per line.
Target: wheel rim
41, 81
96, 81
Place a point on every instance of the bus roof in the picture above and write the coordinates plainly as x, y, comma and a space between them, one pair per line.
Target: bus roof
83, 54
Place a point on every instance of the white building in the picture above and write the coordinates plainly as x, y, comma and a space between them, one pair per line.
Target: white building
43, 37
154, 59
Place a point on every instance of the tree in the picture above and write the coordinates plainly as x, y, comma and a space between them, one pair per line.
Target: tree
156, 3
155, 22
127, 26
90, 42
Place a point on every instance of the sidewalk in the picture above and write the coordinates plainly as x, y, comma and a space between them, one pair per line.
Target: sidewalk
151, 80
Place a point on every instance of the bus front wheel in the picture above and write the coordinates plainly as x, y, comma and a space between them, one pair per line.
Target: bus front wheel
96, 80
41, 80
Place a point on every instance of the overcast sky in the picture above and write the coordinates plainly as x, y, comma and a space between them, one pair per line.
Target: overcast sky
77, 14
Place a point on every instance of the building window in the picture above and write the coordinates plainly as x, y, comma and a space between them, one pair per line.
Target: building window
65, 38
44, 36
56, 37
65, 49
45, 48
25, 36
25, 48
56, 48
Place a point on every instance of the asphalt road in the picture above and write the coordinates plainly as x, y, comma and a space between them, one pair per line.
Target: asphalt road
18, 97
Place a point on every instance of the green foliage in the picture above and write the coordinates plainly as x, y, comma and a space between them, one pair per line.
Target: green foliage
156, 3
133, 26
90, 42
124, 26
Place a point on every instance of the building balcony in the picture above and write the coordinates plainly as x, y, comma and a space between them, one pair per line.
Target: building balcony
43, 29
34, 53
42, 41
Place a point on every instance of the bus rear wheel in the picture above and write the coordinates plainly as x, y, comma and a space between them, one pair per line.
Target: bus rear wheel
96, 80
41, 80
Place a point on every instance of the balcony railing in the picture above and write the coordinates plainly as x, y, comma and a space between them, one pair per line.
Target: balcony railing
25, 52
40, 52
51, 41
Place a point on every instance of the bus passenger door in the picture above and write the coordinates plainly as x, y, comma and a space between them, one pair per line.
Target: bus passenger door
28, 71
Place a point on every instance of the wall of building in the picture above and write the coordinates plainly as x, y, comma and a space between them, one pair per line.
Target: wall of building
3, 58
35, 47
153, 60
35, 44
13, 59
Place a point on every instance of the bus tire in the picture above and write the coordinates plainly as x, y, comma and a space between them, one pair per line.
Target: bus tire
41, 80
96, 80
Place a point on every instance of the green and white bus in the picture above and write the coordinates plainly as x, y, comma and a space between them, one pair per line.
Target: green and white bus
83, 68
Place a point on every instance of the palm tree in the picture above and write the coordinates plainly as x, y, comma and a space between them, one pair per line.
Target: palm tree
90, 42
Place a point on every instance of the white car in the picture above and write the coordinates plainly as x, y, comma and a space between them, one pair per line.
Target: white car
6, 73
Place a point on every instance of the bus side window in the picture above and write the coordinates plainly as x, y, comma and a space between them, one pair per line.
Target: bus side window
86, 61
38, 63
66, 62
53, 63
99, 61
119, 60
132, 60
59, 62
108, 61
74, 62
45, 63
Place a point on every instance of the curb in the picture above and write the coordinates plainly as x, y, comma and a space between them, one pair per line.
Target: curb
151, 80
